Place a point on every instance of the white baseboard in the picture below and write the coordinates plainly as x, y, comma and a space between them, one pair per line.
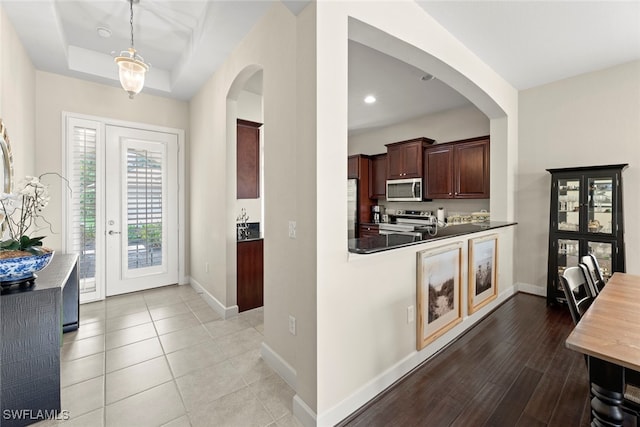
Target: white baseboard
303, 412
278, 364
528, 288
381, 382
217, 306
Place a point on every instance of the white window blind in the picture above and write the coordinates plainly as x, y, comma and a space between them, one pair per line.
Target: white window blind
81, 173
144, 207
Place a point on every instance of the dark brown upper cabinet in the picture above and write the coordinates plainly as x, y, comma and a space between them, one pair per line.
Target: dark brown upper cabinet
352, 167
378, 181
439, 172
405, 158
458, 170
248, 159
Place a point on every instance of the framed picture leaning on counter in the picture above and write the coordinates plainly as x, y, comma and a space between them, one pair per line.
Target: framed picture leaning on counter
483, 271
438, 292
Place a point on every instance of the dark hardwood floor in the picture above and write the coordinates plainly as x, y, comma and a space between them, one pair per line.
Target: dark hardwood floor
511, 369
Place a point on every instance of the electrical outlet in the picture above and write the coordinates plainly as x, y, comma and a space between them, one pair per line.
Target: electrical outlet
206, 267
292, 325
411, 313
292, 229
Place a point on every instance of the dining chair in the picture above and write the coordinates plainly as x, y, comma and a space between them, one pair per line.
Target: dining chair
580, 295
590, 282
594, 271
577, 292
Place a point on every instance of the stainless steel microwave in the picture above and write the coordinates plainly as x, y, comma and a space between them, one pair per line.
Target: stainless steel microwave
404, 190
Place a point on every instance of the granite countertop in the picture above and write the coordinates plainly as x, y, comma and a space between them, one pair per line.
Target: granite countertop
385, 242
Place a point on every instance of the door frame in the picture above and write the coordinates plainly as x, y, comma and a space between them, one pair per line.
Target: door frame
104, 121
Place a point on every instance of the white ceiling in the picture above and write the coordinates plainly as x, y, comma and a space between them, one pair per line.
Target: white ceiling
530, 43
527, 43
400, 92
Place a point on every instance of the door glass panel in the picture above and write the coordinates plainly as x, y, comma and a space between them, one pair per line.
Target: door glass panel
144, 208
600, 205
82, 237
568, 256
603, 253
569, 204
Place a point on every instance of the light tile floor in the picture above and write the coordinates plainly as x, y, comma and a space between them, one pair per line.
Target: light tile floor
163, 357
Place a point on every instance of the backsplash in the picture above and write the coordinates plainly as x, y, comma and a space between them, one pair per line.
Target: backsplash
451, 207
253, 230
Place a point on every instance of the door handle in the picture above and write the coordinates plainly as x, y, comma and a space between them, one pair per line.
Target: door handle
111, 232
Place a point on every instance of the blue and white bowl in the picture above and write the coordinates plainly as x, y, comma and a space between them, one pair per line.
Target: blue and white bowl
20, 268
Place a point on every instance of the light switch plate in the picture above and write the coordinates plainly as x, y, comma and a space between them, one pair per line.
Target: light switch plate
292, 325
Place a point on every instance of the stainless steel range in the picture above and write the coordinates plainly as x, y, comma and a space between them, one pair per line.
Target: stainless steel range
410, 222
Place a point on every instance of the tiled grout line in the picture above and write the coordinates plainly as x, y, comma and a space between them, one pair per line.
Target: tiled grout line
249, 320
104, 372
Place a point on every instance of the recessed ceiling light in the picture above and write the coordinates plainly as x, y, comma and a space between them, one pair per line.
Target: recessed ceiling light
370, 99
104, 32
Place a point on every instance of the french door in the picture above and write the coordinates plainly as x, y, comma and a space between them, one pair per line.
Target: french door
123, 217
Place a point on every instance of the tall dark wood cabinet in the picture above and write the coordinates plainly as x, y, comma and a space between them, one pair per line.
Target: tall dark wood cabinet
248, 159
359, 167
585, 218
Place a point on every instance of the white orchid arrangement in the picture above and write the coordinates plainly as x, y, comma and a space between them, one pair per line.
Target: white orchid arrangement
21, 211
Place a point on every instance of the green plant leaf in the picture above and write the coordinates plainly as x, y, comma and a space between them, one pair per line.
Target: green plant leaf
10, 245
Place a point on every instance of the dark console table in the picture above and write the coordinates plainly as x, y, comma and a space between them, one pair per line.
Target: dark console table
31, 324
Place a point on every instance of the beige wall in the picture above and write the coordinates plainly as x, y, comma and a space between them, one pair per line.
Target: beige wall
451, 125
56, 94
309, 207
17, 99
364, 340
289, 280
591, 119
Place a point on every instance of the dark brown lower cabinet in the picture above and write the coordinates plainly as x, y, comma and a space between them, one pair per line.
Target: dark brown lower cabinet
368, 230
250, 278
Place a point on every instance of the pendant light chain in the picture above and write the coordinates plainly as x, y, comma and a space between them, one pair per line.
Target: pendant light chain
131, 20
131, 66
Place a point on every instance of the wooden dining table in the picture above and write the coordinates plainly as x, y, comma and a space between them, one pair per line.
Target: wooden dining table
609, 335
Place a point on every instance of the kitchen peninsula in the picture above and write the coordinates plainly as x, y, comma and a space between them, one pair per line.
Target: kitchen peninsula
385, 242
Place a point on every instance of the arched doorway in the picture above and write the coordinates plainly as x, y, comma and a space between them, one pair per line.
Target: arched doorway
245, 191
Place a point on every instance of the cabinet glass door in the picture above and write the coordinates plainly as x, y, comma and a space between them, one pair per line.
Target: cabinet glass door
600, 205
603, 252
569, 204
568, 256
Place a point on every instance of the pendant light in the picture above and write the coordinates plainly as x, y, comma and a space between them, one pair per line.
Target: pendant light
131, 66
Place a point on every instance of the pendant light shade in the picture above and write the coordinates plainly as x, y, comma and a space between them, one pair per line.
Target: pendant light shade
131, 66
131, 70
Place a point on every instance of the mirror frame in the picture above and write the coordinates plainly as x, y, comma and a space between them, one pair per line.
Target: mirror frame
6, 163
